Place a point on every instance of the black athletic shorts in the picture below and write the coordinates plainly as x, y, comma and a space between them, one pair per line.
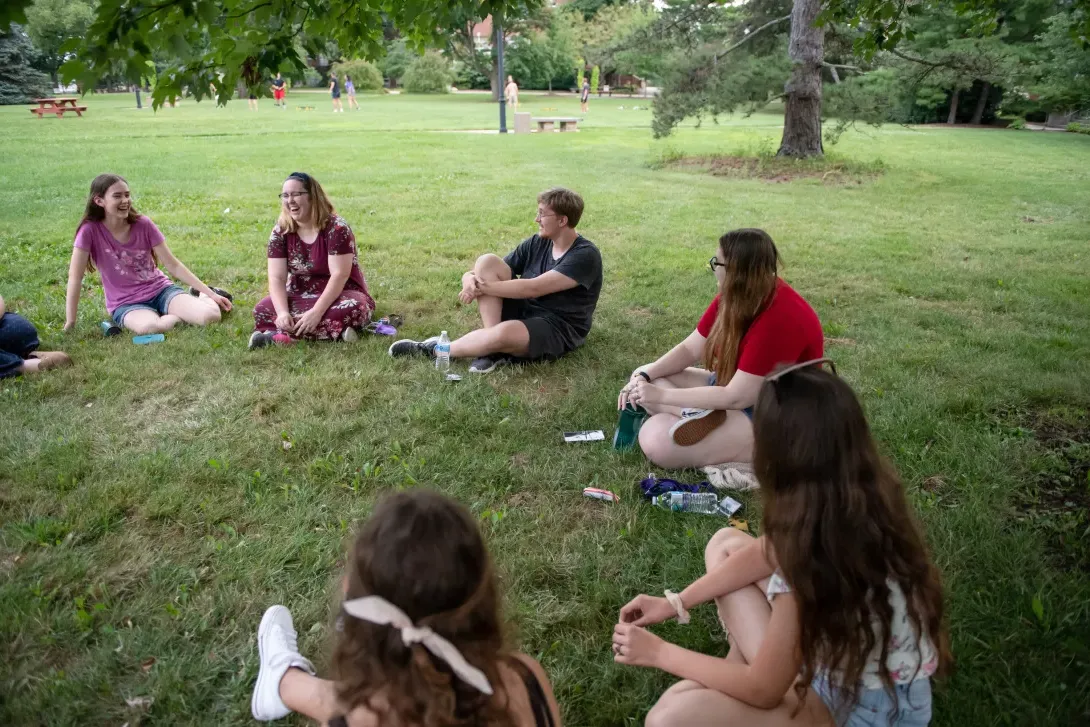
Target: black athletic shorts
550, 337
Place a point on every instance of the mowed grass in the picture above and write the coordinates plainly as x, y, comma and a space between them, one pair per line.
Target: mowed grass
154, 500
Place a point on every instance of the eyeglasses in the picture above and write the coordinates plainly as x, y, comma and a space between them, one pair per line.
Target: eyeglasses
714, 263
540, 216
285, 196
773, 378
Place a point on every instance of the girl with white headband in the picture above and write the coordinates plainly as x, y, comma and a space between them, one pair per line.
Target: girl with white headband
420, 639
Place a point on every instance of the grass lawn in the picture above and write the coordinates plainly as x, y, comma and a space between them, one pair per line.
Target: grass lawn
151, 508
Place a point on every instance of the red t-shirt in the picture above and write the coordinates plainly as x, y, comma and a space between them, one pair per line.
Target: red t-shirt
786, 332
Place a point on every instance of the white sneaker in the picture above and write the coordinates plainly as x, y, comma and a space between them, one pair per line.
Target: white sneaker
278, 649
350, 335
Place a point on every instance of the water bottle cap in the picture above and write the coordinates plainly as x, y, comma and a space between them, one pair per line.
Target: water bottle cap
441, 333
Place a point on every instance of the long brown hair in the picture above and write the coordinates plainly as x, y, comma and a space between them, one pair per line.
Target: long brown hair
94, 212
751, 261
422, 552
841, 529
321, 209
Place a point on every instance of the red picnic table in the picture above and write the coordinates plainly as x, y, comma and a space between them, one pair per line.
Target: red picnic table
57, 106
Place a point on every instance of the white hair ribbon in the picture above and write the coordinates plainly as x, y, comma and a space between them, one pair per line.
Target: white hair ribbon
378, 610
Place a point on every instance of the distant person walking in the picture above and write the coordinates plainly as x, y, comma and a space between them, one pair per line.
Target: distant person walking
278, 90
350, 89
252, 102
584, 97
335, 92
511, 93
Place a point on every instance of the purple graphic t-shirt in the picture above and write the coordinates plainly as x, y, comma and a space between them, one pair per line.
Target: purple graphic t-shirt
129, 273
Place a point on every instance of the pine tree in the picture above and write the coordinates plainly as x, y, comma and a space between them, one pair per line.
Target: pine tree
20, 82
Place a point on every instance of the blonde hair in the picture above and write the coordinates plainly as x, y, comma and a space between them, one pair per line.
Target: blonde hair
321, 209
563, 202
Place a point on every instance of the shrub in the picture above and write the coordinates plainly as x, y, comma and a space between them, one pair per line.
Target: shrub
430, 73
1077, 128
365, 75
1017, 123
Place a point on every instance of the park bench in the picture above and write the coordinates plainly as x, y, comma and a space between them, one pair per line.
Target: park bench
57, 106
567, 123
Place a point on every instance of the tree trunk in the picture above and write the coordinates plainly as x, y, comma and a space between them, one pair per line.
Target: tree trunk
953, 117
978, 112
802, 112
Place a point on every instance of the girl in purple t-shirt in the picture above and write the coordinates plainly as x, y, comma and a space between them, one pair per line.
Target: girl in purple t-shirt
127, 248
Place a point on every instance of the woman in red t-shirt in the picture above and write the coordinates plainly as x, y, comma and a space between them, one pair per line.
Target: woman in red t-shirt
700, 416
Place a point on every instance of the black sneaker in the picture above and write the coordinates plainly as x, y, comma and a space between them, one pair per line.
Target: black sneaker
258, 339
488, 364
218, 291
405, 347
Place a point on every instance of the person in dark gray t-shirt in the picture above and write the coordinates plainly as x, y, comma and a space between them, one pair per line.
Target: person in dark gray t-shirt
538, 302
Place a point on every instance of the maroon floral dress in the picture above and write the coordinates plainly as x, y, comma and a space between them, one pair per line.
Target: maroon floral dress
308, 275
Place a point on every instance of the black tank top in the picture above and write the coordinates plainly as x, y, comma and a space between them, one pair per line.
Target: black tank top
539, 703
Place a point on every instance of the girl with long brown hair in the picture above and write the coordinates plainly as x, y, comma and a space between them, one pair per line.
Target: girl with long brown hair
835, 614
420, 638
701, 416
316, 287
128, 248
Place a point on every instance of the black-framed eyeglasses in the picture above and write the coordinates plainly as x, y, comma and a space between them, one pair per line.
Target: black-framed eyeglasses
285, 196
714, 263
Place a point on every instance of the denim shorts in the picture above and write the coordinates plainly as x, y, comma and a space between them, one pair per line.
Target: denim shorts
748, 411
158, 304
875, 706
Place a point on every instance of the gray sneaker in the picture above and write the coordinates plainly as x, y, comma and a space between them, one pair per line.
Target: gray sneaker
488, 364
259, 339
406, 347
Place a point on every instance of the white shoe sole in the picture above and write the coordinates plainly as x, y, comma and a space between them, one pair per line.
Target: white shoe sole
262, 673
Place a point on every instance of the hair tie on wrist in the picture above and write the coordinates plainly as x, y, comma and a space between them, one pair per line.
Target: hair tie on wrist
645, 376
675, 601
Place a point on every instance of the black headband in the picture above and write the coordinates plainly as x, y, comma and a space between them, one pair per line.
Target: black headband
301, 176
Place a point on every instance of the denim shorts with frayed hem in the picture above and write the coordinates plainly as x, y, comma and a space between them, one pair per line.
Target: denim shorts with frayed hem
875, 706
158, 304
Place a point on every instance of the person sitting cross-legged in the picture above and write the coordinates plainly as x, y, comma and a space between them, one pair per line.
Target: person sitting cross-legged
701, 417
535, 304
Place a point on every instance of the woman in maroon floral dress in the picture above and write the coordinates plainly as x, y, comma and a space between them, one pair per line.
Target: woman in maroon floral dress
316, 287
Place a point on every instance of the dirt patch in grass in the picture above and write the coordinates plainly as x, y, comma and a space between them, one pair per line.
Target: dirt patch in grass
1058, 497
776, 170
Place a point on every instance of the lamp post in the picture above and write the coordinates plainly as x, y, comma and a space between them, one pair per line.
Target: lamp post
500, 76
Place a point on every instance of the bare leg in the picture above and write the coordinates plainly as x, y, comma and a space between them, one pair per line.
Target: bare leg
746, 613
195, 311
491, 268
143, 321
699, 707
732, 441
510, 337
496, 335
309, 696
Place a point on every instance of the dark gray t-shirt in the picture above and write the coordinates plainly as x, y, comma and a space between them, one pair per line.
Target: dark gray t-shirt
582, 263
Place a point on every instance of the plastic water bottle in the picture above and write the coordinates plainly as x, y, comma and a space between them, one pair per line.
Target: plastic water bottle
702, 502
442, 353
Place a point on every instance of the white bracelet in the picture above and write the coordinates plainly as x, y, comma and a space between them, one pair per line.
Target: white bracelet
675, 601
